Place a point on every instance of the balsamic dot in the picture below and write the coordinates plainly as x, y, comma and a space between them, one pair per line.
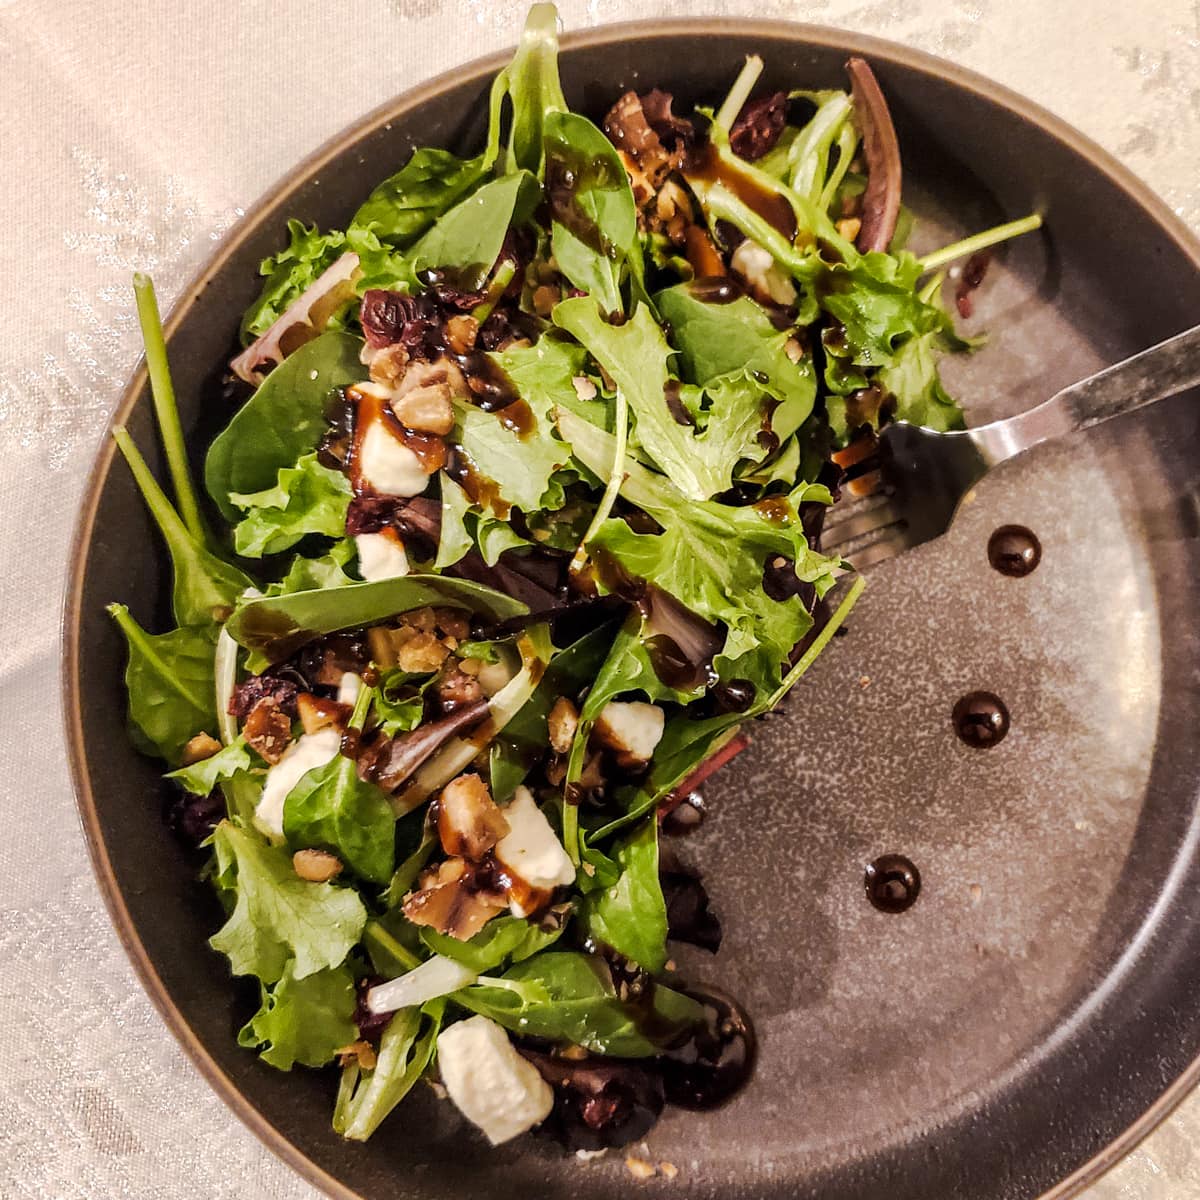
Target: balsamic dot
893, 883
981, 719
1014, 550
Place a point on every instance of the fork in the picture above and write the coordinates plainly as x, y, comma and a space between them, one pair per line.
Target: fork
907, 492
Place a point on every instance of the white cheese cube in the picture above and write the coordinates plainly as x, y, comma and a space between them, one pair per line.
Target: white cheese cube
381, 556
766, 278
632, 728
388, 465
531, 850
492, 1085
308, 751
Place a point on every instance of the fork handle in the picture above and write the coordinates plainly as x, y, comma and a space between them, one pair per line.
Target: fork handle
1163, 370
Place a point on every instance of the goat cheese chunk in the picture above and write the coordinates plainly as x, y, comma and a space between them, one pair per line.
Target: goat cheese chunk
380, 556
388, 465
766, 278
308, 751
491, 1084
632, 728
531, 850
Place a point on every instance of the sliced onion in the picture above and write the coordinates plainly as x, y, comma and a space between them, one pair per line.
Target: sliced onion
437, 976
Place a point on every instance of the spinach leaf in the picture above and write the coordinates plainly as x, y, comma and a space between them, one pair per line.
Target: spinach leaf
595, 226
284, 419
205, 586
635, 356
308, 498
912, 378
169, 679
532, 82
470, 236
631, 915
406, 1049
277, 916
406, 204
568, 997
332, 809
201, 777
278, 625
717, 340
305, 1020
501, 939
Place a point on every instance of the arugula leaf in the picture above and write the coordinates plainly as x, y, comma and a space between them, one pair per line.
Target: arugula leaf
500, 939
327, 571
532, 82
631, 915
332, 809
284, 419
912, 377
276, 915
278, 625
565, 996
366, 1097
201, 777
406, 204
470, 236
600, 230
715, 340
303, 1021
309, 498
206, 587
169, 679
635, 356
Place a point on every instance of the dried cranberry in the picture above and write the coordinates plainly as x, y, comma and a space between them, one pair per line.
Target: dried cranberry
370, 1025
675, 133
193, 818
389, 318
759, 126
250, 691
689, 918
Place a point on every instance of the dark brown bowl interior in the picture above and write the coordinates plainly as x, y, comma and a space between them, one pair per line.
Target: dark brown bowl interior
997, 1037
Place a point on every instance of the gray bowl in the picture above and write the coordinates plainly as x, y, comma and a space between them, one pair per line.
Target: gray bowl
1034, 1013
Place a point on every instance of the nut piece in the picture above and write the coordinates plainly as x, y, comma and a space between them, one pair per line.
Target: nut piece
268, 729
317, 713
449, 902
426, 409
457, 688
849, 227
469, 821
461, 332
562, 723
316, 866
585, 389
388, 364
639, 1168
420, 653
199, 748
362, 1053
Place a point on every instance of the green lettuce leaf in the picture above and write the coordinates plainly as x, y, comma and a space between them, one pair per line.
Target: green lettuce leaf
912, 378
501, 939
308, 498
326, 571
631, 915
276, 915
303, 1021
201, 777
169, 680
564, 996
531, 80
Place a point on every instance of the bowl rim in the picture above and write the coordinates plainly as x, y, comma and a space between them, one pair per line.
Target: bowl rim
480, 70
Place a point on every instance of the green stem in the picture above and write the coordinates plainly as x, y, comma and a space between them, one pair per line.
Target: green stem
819, 643
616, 477
175, 532
165, 408
981, 241
500, 280
743, 85
375, 932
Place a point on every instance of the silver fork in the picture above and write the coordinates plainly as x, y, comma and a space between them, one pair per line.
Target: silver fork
907, 493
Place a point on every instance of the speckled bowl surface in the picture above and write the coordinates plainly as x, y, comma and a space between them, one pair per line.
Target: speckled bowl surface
1035, 1010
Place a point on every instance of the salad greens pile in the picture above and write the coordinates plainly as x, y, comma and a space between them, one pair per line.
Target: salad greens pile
524, 488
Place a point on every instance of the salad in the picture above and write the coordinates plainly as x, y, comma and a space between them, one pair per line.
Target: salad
513, 534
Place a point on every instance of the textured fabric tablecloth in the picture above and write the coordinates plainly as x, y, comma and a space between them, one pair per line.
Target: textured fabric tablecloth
133, 134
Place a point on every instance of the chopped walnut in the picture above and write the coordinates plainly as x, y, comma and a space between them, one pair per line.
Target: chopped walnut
461, 332
268, 729
199, 748
316, 866
469, 821
424, 619
388, 364
449, 902
849, 227
426, 409
668, 1170
317, 713
562, 723
362, 1053
639, 1168
421, 653
585, 389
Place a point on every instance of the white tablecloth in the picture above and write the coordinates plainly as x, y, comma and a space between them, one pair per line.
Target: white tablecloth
133, 134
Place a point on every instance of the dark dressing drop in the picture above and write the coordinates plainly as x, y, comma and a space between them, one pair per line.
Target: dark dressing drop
1014, 550
981, 719
893, 883
716, 1061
